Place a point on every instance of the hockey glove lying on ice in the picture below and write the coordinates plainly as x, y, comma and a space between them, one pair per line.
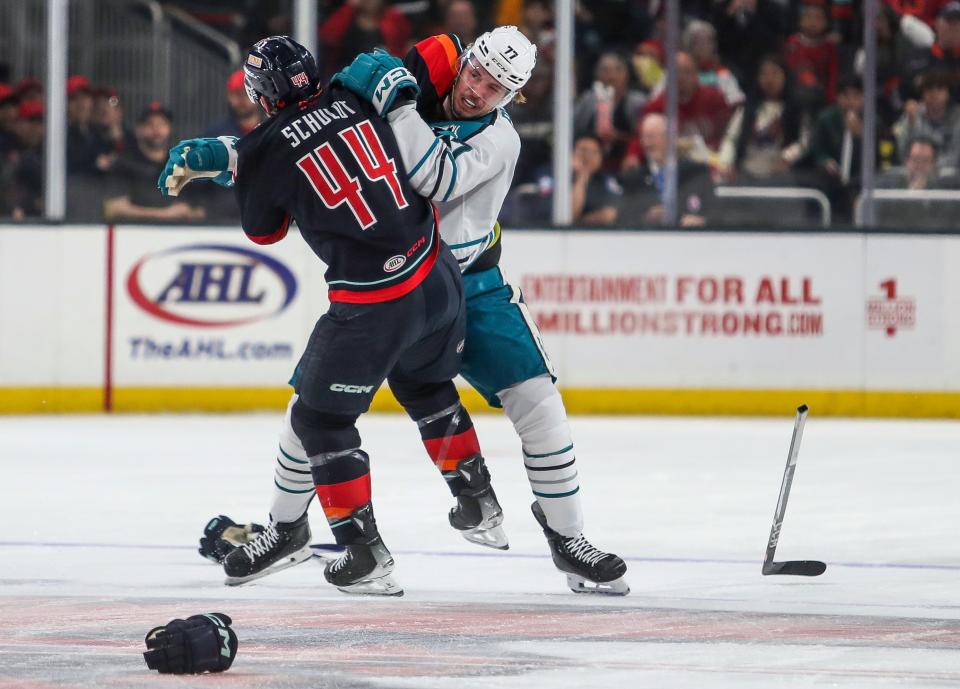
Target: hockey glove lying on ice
212, 158
222, 534
380, 79
200, 643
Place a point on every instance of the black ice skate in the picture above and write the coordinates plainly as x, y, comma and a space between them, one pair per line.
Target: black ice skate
588, 570
478, 515
278, 547
366, 565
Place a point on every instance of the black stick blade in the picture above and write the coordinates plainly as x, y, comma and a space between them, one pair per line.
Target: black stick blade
798, 568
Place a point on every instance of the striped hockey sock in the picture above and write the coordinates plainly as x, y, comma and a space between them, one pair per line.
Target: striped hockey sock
292, 482
343, 485
449, 438
536, 410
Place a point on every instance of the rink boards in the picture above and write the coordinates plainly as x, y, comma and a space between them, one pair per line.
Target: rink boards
174, 318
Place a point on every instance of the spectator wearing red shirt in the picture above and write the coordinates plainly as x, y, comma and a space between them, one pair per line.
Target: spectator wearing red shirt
812, 56
702, 115
359, 26
700, 40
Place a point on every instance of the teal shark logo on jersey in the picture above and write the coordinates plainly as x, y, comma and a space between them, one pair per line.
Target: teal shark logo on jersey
462, 130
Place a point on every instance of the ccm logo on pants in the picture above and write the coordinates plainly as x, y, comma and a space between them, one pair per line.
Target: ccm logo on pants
340, 387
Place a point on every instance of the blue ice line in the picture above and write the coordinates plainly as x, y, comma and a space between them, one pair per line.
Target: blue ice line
441, 553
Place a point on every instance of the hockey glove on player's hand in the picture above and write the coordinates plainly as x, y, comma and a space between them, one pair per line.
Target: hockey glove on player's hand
222, 534
380, 79
210, 158
200, 643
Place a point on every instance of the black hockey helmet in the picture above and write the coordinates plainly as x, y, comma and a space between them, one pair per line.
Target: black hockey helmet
280, 71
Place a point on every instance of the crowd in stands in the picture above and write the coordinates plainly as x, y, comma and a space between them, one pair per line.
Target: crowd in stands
112, 168
770, 94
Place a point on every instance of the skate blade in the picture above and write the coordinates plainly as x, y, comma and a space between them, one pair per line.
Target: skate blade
494, 537
289, 561
617, 587
381, 586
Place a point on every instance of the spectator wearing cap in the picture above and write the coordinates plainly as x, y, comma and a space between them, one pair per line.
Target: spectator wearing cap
244, 114
25, 197
935, 118
243, 117
812, 56
8, 118
89, 156
134, 194
359, 26
8, 147
609, 109
702, 117
87, 153
29, 88
643, 186
944, 54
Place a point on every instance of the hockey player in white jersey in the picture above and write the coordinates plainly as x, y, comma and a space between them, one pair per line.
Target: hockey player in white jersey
460, 149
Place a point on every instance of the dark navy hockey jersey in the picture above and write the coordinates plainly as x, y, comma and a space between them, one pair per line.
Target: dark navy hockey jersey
332, 164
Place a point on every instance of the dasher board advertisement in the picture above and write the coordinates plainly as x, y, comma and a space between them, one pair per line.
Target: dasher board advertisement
204, 307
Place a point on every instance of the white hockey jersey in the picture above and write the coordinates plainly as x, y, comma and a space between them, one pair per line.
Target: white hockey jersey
465, 167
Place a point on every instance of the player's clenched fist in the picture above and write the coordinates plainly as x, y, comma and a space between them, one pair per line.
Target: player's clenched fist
210, 158
378, 78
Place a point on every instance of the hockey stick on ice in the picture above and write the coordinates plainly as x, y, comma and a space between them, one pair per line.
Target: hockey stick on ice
803, 568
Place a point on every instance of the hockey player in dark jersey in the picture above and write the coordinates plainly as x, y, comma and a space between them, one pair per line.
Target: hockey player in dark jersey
327, 160
464, 160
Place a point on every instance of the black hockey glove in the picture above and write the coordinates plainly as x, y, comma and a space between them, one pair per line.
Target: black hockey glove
221, 535
201, 643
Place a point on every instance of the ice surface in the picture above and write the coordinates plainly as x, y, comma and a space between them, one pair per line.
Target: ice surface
100, 516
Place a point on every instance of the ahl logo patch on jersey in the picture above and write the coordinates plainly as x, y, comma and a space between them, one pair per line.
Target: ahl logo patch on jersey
300, 79
394, 263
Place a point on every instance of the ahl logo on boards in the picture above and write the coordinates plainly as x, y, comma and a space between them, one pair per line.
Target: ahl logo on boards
211, 285
891, 312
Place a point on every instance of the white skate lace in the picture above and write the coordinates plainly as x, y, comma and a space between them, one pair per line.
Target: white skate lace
261, 545
581, 549
339, 563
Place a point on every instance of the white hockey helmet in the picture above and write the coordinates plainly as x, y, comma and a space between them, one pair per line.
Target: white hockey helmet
507, 55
